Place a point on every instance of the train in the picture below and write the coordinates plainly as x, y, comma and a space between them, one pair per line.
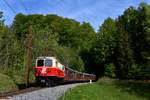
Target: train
50, 71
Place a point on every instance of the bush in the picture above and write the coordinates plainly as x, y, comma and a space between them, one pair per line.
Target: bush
139, 72
70, 58
110, 70
6, 83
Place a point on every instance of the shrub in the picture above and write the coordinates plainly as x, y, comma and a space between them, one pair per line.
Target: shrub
110, 70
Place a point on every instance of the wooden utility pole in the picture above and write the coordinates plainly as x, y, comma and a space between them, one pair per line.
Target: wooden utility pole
29, 45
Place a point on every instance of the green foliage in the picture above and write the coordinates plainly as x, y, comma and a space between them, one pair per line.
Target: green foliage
106, 39
132, 42
110, 70
70, 58
125, 43
123, 53
102, 50
139, 72
6, 84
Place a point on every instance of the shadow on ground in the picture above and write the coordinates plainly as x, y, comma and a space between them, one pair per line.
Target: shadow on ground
23, 85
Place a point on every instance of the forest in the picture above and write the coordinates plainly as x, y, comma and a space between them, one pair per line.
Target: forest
119, 49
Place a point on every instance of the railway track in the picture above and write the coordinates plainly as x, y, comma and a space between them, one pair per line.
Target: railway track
12, 93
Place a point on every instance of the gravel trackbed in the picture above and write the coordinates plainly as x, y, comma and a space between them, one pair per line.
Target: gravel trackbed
51, 93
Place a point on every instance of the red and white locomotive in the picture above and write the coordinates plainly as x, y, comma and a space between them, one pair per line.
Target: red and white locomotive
49, 70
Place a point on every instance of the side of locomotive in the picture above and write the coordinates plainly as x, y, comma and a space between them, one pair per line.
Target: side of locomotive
49, 71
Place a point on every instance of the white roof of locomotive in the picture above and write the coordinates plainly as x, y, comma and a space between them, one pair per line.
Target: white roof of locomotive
44, 57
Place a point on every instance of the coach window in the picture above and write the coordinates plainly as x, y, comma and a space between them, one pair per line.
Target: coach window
48, 63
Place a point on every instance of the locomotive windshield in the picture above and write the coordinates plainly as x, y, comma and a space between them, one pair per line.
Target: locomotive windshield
44, 63
40, 63
48, 63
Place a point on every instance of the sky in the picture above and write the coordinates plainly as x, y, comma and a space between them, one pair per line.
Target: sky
92, 11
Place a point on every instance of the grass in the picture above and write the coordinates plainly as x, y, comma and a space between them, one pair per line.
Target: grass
6, 83
11, 80
108, 89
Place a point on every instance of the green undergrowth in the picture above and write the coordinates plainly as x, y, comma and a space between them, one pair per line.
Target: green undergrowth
12, 79
109, 89
6, 84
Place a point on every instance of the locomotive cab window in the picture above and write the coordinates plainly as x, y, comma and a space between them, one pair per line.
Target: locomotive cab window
48, 63
40, 63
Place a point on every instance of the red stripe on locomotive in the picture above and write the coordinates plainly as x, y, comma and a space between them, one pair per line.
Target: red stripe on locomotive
46, 71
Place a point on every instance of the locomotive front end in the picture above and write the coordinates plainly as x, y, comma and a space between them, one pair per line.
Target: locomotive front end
48, 69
